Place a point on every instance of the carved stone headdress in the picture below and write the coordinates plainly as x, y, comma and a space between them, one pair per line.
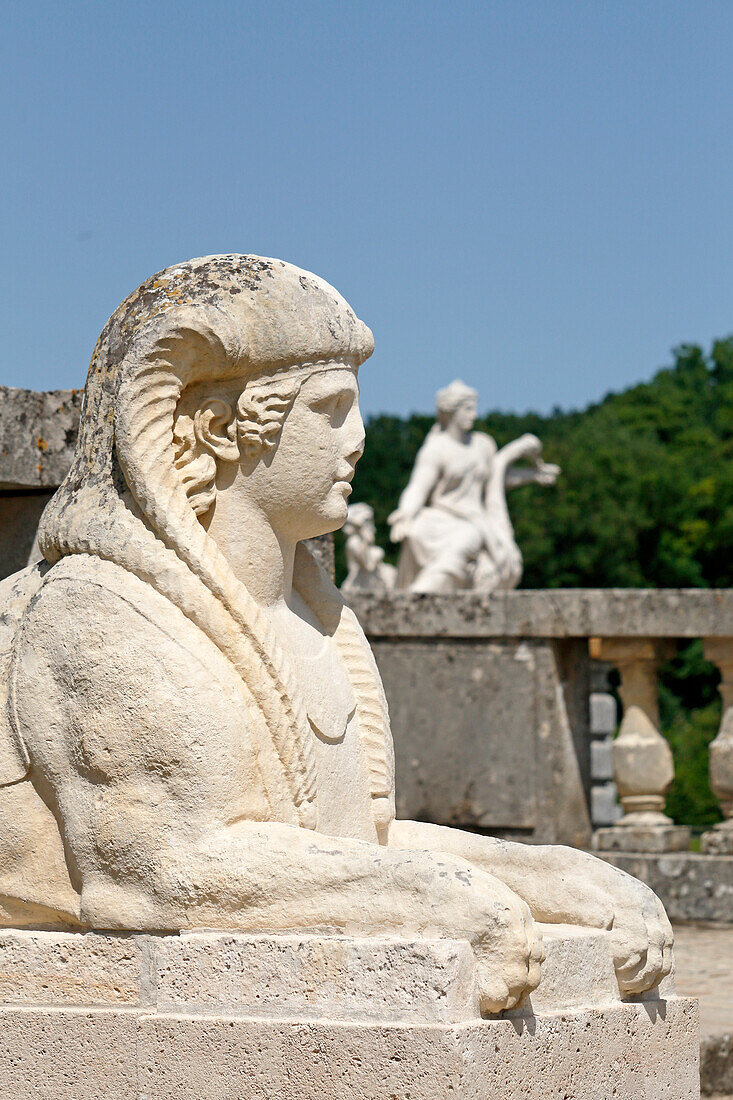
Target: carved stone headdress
216, 318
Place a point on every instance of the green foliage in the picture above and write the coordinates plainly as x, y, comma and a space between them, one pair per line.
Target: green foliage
689, 707
645, 500
646, 494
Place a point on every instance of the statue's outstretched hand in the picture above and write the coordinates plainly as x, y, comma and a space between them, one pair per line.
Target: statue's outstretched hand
399, 525
641, 935
597, 894
547, 473
509, 951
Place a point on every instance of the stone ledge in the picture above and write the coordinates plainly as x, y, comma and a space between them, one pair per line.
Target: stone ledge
640, 838
551, 613
341, 978
624, 1052
37, 436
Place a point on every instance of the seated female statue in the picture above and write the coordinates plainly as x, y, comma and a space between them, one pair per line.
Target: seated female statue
452, 519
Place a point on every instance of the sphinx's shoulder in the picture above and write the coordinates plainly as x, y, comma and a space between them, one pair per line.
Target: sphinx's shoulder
84, 581
103, 621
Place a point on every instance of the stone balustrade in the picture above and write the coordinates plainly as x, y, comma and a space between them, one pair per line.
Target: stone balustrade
563, 631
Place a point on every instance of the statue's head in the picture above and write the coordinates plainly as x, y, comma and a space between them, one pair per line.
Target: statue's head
360, 521
457, 404
227, 373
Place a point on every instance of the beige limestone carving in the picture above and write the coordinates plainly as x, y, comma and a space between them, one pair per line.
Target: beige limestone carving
452, 519
367, 569
193, 732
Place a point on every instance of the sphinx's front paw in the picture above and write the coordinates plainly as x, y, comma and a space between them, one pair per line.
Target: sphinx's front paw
512, 969
641, 936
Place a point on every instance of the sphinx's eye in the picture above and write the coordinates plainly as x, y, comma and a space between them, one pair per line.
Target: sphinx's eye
336, 406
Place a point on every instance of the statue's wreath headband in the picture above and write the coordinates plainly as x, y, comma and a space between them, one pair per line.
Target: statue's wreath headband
298, 373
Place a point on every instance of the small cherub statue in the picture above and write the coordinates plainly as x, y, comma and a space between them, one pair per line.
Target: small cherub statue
193, 732
452, 519
367, 570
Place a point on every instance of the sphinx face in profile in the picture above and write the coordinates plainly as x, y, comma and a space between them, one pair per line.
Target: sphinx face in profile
285, 454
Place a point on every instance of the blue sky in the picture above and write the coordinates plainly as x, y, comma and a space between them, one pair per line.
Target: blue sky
536, 197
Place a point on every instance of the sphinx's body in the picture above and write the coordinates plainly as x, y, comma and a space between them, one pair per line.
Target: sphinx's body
134, 716
193, 732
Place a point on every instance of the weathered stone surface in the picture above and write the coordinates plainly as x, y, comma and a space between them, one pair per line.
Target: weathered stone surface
603, 713
291, 976
691, 886
601, 760
69, 1054
637, 838
483, 738
624, 1052
604, 805
223, 1015
555, 613
69, 968
37, 436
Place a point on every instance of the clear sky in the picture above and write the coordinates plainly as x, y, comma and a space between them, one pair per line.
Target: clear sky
536, 197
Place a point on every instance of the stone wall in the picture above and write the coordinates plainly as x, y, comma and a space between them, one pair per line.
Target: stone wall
37, 438
489, 698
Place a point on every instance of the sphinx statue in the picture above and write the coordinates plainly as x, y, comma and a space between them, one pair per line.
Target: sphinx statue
193, 733
367, 570
452, 519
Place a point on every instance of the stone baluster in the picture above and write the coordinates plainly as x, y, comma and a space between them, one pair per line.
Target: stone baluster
642, 759
719, 840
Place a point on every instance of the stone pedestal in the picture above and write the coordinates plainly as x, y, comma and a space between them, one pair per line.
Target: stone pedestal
212, 1016
642, 759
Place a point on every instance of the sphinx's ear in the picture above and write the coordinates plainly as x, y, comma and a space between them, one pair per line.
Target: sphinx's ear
216, 429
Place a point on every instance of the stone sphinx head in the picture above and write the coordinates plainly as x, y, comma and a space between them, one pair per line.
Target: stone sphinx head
226, 380
193, 382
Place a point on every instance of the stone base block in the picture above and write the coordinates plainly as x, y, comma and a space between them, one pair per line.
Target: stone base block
214, 1016
691, 887
639, 838
718, 841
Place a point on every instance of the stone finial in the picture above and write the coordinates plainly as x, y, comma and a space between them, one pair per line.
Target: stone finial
642, 758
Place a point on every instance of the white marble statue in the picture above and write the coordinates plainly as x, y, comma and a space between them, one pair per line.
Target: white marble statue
367, 569
193, 732
452, 519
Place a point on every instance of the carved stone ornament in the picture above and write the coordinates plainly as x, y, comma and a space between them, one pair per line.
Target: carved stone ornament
193, 733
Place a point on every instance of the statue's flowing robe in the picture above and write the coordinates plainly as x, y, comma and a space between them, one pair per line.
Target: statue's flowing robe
447, 491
